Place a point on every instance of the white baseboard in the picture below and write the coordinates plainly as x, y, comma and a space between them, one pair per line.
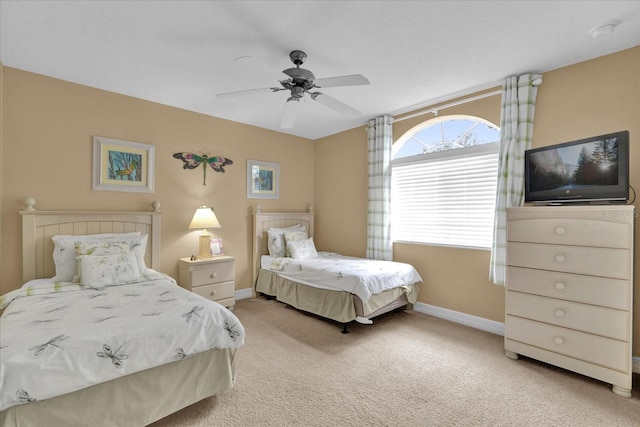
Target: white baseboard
458, 317
244, 293
478, 323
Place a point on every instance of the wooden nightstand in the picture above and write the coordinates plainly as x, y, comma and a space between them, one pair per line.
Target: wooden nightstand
211, 278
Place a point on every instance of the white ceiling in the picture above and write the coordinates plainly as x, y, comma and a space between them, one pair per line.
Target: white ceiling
181, 53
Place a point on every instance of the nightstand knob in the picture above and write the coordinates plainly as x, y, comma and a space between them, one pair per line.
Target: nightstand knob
213, 275
560, 230
212, 293
560, 258
559, 313
559, 286
558, 340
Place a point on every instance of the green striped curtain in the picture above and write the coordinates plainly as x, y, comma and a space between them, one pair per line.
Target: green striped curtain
378, 224
516, 133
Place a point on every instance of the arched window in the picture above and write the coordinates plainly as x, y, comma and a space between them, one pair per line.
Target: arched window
443, 182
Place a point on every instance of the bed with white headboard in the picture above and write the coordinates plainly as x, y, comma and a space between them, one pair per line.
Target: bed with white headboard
338, 305
133, 395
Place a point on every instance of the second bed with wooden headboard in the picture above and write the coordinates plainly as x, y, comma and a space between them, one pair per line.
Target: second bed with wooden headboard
294, 280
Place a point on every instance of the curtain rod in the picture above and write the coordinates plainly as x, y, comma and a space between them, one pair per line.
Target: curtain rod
435, 110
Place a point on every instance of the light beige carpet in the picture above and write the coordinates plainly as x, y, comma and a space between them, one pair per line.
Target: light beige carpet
407, 369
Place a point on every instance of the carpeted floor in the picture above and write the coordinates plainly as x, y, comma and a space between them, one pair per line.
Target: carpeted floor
407, 369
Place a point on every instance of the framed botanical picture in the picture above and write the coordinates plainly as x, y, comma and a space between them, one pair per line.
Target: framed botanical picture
122, 165
263, 180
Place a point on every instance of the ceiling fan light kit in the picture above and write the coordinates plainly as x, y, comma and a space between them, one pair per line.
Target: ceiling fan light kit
303, 81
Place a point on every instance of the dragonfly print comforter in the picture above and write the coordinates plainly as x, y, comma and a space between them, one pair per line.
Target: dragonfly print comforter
360, 276
56, 338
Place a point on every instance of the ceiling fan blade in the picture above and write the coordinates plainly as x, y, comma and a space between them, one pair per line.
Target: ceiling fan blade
289, 114
352, 80
335, 104
247, 92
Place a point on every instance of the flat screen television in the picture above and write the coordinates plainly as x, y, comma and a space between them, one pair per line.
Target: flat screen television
590, 170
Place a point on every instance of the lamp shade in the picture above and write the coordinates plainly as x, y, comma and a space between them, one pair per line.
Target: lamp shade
204, 218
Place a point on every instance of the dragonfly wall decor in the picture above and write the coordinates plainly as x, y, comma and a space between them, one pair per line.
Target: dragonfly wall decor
192, 161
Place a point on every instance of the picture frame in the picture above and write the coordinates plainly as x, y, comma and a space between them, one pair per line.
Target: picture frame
216, 247
263, 180
122, 165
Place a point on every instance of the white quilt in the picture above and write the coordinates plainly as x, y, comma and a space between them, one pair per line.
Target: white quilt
359, 276
56, 338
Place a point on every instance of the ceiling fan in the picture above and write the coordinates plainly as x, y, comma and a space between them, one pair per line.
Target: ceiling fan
303, 81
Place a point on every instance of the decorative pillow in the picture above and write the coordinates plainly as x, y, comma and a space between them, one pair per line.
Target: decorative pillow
276, 242
107, 270
64, 252
293, 236
98, 248
301, 249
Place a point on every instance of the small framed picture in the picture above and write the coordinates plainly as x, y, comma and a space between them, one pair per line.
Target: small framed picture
263, 180
216, 246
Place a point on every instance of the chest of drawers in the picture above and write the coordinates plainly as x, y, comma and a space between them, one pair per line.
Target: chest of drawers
569, 289
212, 278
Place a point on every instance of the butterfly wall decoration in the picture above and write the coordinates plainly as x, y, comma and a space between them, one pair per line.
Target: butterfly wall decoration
192, 161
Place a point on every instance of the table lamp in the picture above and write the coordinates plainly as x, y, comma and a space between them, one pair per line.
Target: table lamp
205, 218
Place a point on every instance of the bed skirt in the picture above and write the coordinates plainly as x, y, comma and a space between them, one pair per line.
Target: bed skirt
133, 400
340, 306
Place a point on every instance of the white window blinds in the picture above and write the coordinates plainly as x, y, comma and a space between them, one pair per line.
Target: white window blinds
445, 198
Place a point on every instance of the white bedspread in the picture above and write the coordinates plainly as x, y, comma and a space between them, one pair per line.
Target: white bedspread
58, 338
360, 276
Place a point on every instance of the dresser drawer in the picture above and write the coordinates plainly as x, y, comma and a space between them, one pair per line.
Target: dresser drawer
603, 291
215, 292
211, 273
603, 262
602, 321
602, 351
571, 231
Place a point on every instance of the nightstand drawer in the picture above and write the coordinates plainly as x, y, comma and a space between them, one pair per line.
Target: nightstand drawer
215, 292
211, 273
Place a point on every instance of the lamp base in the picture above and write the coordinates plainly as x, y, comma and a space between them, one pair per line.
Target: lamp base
205, 246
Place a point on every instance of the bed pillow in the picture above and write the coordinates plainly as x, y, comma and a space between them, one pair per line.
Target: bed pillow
94, 248
64, 253
293, 236
301, 249
276, 242
138, 246
108, 270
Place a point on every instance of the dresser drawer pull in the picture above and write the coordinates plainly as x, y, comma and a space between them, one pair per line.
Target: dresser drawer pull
560, 230
558, 340
213, 275
559, 313
212, 293
559, 286
560, 258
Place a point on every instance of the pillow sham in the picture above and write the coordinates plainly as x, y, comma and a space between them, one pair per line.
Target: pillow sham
275, 239
108, 270
64, 254
301, 249
98, 248
293, 236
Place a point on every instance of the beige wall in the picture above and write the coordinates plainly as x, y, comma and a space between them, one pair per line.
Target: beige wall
45, 145
47, 154
586, 99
